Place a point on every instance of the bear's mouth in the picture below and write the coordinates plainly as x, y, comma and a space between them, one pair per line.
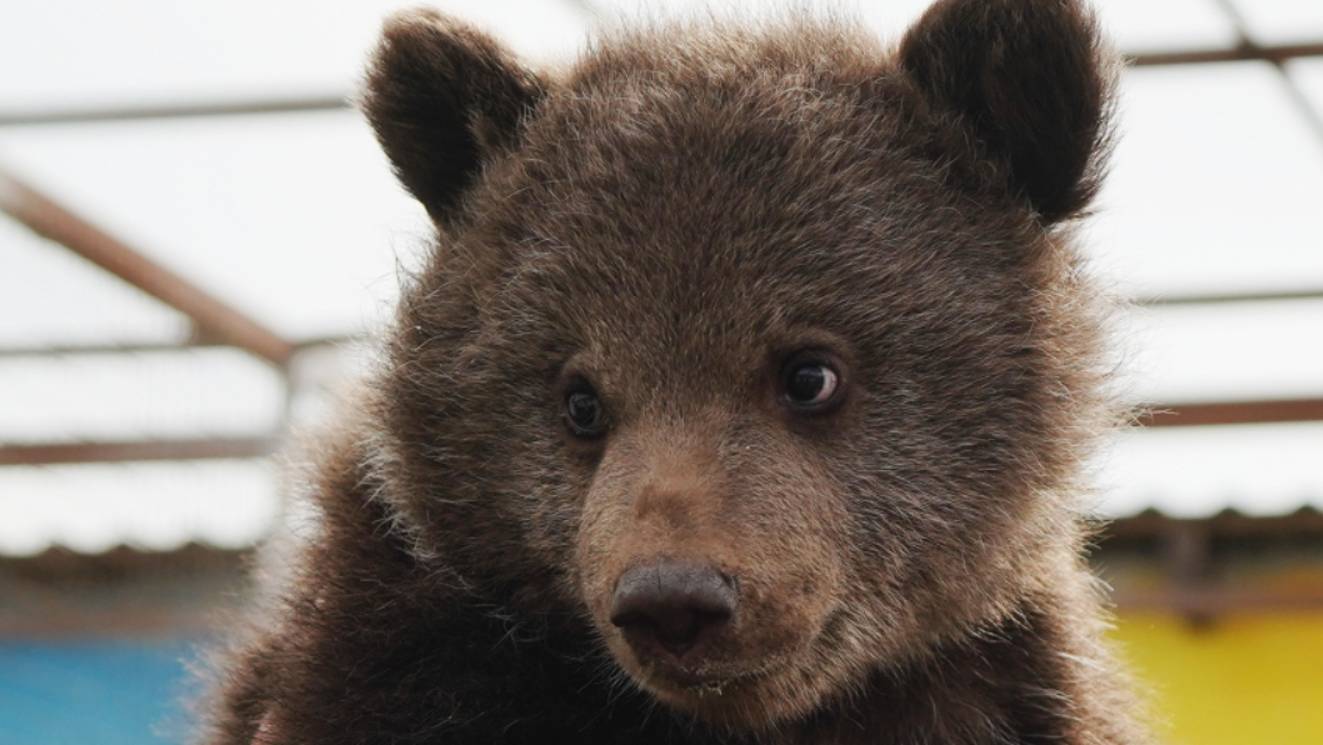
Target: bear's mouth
727, 672
704, 683
742, 682
751, 696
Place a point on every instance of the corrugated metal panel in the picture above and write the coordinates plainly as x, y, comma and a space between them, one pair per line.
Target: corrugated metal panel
101, 397
152, 506
1257, 470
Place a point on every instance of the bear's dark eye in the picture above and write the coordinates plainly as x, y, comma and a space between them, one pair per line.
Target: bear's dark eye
810, 385
583, 412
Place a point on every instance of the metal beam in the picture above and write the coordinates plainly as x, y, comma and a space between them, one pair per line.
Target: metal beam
1234, 412
157, 347
45, 454
233, 107
1277, 53
1235, 527
1215, 298
135, 347
1205, 604
212, 316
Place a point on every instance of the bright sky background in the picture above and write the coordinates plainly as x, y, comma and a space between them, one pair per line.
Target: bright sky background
1217, 187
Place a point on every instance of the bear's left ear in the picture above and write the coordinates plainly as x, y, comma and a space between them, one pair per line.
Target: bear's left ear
1031, 80
443, 97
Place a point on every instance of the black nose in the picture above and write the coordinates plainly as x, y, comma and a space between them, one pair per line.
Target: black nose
672, 604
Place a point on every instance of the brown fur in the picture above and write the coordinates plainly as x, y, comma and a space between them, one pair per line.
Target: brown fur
671, 219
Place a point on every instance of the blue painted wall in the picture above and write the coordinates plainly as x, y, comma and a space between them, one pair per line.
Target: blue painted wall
101, 692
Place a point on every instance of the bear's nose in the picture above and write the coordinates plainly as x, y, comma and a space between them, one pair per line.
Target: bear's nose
672, 604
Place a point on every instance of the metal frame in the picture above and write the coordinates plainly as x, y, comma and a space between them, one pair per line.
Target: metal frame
195, 342
219, 323
203, 448
1234, 412
1244, 51
211, 316
1192, 556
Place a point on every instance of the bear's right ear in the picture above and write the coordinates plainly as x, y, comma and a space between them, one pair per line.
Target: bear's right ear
442, 98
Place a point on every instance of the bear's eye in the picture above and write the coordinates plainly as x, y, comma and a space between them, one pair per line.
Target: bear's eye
810, 385
583, 412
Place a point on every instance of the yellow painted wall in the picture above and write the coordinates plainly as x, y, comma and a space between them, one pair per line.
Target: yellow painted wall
1246, 679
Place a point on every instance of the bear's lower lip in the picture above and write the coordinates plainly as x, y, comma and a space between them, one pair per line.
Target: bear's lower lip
691, 687
678, 679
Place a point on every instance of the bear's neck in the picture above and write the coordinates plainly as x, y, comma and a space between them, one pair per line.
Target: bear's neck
1018, 681
1014, 683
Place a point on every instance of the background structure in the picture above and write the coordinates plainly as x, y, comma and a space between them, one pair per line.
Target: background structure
197, 231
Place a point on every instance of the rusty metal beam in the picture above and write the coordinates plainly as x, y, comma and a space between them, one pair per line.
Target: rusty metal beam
1197, 551
1205, 604
45, 454
1215, 298
137, 347
1277, 54
1225, 526
212, 316
157, 347
236, 107
1234, 412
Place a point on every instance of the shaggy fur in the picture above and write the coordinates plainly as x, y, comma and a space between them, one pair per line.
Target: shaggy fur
673, 219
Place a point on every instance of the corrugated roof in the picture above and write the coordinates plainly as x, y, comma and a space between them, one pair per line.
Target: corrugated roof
1191, 472
151, 506
106, 398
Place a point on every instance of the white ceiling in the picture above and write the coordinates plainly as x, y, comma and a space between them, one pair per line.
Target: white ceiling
1281, 21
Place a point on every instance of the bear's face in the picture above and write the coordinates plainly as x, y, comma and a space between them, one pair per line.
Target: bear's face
751, 350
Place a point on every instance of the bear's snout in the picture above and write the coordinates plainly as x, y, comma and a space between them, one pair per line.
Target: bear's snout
668, 607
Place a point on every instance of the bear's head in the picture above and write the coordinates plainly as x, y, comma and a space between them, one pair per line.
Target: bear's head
763, 352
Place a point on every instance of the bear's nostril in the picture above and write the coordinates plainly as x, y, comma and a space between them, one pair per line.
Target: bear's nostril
672, 603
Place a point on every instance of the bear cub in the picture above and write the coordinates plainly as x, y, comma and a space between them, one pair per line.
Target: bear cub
742, 398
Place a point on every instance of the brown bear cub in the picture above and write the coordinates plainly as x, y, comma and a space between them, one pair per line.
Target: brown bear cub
742, 399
